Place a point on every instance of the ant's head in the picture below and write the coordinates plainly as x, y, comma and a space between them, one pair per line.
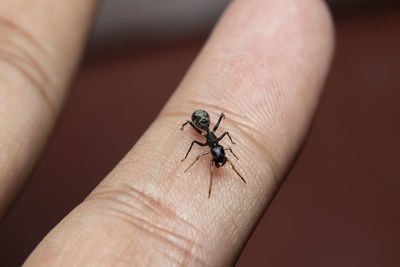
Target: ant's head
201, 119
220, 162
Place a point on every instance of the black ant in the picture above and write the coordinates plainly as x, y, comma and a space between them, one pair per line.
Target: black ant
201, 121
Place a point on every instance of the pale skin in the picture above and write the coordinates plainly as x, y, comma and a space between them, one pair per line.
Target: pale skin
263, 66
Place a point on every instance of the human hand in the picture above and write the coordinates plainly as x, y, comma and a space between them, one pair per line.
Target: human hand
263, 67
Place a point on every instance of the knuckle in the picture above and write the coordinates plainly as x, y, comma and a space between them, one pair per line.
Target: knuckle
22, 53
149, 216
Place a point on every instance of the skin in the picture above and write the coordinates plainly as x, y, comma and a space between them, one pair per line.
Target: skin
263, 66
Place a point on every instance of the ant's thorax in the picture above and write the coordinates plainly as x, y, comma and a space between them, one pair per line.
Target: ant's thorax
211, 139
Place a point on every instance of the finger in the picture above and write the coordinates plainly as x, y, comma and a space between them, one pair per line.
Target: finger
263, 67
40, 43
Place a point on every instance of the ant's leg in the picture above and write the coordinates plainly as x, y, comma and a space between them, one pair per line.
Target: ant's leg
230, 149
211, 178
223, 135
233, 167
190, 148
202, 154
191, 124
219, 120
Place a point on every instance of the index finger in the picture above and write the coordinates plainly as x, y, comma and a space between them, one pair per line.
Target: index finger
263, 67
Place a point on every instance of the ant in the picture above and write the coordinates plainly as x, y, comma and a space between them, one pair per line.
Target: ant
201, 121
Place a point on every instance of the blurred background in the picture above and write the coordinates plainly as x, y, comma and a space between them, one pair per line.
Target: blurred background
340, 204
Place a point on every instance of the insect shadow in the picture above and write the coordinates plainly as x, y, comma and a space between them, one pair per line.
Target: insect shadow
201, 122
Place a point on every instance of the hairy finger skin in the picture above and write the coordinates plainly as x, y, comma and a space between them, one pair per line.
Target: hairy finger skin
40, 44
264, 68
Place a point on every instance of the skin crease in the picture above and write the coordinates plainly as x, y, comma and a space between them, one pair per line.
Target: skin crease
37, 62
263, 67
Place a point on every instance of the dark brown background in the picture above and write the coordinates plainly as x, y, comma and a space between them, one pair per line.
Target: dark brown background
340, 204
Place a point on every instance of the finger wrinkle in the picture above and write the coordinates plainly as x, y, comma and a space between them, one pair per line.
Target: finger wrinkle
25, 56
16, 54
147, 214
144, 199
11, 27
40, 89
170, 238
